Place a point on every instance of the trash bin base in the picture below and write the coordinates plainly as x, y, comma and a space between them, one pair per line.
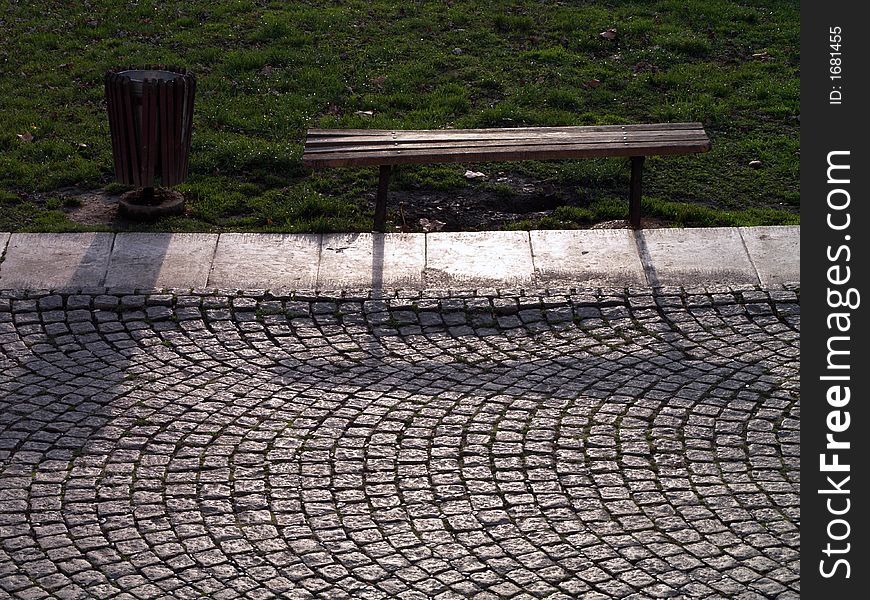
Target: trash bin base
164, 203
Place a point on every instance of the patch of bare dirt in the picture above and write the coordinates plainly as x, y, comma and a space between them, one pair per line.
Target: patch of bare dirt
95, 208
493, 203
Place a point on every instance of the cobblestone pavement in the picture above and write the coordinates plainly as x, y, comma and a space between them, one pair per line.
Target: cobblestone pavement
615, 444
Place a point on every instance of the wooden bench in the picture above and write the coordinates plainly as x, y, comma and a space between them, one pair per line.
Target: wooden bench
384, 148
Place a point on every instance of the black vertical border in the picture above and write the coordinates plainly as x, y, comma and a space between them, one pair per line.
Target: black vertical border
827, 127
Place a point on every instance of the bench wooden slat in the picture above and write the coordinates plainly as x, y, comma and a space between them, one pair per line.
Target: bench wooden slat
413, 145
505, 135
503, 130
538, 152
588, 136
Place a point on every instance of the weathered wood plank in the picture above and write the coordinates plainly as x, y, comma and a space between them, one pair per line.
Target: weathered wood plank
506, 143
325, 142
165, 160
502, 130
597, 135
114, 122
539, 152
169, 169
149, 135
132, 141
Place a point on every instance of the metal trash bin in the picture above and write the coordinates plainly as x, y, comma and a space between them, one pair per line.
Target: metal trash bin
150, 119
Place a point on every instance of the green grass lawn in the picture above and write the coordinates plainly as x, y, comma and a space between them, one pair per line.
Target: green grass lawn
268, 70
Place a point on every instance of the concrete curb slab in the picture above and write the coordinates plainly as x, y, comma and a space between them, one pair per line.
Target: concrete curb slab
590, 257
376, 261
161, 260
56, 260
690, 257
266, 260
775, 252
478, 259
769, 256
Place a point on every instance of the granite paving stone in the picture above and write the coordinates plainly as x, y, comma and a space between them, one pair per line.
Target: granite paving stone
231, 443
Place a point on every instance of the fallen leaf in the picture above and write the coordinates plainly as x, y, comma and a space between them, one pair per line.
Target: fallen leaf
593, 83
267, 70
610, 34
755, 164
378, 81
25, 137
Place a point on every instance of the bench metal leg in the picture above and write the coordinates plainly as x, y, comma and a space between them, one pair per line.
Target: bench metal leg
634, 191
381, 198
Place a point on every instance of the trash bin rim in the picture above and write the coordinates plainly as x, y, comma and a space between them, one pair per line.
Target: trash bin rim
141, 75
138, 77
137, 74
